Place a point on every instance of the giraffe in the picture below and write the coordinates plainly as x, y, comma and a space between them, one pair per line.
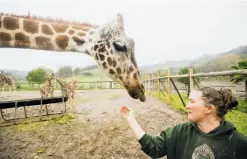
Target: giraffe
107, 44
48, 87
2, 81
68, 89
74, 85
5, 79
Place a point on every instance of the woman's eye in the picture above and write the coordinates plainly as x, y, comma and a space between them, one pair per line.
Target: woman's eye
191, 101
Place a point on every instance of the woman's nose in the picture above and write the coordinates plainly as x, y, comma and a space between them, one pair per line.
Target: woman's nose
187, 106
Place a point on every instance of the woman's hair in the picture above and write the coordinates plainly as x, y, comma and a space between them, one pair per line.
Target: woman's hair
222, 99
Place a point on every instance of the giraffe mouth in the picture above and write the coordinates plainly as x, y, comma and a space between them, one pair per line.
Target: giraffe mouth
137, 93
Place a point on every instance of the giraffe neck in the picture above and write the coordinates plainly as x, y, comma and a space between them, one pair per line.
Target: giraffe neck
62, 83
42, 34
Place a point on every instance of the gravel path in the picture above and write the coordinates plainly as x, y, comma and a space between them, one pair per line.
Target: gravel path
97, 129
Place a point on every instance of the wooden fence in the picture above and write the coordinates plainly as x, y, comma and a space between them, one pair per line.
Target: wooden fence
81, 85
165, 84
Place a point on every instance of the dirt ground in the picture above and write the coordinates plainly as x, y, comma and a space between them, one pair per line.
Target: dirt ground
96, 128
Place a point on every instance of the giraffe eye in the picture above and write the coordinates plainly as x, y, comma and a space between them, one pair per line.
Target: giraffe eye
120, 47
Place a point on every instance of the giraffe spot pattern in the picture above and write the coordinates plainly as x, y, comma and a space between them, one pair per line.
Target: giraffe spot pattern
104, 65
96, 57
130, 70
71, 32
119, 70
46, 29
111, 72
30, 26
121, 78
95, 47
78, 41
80, 28
102, 49
5, 39
59, 28
135, 76
102, 57
114, 62
44, 43
62, 41
81, 34
73, 50
108, 45
109, 60
21, 40
11, 23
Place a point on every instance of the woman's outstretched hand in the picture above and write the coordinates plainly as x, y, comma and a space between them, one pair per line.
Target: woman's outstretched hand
129, 116
127, 113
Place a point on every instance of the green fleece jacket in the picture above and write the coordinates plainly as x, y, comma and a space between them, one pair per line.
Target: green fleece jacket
187, 141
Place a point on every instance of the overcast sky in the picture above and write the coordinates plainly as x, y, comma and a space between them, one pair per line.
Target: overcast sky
162, 30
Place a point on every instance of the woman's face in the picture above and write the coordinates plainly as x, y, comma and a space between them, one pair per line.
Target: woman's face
196, 107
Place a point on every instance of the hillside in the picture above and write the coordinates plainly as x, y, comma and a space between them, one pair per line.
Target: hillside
18, 75
223, 61
204, 63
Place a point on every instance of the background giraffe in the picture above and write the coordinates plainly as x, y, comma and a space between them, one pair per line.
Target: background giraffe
48, 87
2, 82
107, 44
5, 79
68, 89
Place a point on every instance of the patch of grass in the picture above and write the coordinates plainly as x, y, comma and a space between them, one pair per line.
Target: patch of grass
29, 125
41, 150
176, 103
242, 106
237, 117
67, 118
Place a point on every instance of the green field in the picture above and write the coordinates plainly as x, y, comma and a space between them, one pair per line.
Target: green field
93, 79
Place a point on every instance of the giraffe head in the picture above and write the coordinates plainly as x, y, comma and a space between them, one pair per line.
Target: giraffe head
114, 53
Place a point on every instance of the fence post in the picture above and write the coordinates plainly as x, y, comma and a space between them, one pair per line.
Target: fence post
152, 88
169, 84
145, 83
159, 83
191, 78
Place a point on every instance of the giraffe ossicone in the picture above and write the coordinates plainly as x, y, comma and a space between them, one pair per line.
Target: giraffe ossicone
107, 44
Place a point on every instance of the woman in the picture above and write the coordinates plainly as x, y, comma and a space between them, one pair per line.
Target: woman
207, 135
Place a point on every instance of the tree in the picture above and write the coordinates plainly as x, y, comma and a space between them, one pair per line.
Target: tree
38, 75
65, 71
186, 80
77, 70
239, 78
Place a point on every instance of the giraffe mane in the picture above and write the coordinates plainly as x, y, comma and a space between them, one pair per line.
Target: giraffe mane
49, 19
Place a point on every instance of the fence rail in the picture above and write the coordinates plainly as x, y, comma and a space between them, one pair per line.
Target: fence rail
81, 85
152, 83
